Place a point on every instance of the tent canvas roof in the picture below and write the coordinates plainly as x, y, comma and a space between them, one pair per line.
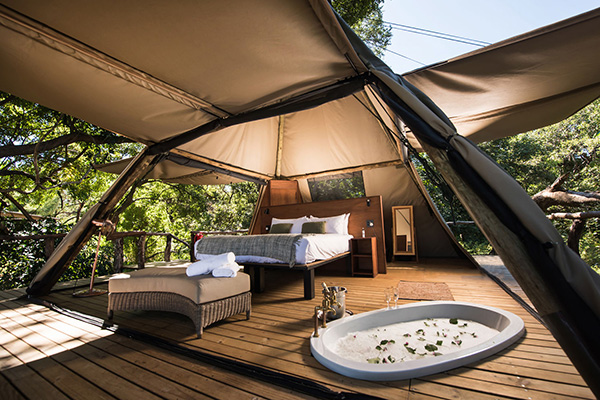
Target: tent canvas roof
519, 84
151, 81
522, 83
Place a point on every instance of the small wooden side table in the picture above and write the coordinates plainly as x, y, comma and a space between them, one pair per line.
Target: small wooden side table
363, 254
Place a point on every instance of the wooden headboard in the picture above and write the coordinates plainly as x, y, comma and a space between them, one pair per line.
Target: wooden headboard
361, 210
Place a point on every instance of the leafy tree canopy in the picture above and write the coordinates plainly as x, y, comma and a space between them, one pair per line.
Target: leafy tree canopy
46, 159
559, 166
563, 157
365, 17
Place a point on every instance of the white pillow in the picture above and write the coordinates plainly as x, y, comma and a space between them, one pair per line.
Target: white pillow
296, 223
337, 224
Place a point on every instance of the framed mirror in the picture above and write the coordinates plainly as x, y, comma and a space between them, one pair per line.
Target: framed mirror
404, 231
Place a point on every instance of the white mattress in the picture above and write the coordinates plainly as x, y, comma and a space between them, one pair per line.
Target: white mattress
309, 249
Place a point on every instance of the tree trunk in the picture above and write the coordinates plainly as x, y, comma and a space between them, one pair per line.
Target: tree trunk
118, 262
48, 247
168, 248
141, 253
575, 233
192, 243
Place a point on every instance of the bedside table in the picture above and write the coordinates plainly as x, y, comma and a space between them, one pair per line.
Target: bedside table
363, 254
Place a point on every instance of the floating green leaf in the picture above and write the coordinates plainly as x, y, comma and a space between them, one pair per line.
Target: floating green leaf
431, 347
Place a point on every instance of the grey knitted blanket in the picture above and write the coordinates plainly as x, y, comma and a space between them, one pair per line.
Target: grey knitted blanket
279, 246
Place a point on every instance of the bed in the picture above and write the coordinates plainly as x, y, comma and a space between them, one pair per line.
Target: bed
304, 252
299, 237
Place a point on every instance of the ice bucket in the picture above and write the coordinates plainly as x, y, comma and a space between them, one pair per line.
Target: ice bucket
340, 310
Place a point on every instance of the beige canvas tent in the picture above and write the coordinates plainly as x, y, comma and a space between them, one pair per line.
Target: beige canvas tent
285, 90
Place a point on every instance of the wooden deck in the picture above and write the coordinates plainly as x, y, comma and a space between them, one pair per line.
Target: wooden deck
45, 354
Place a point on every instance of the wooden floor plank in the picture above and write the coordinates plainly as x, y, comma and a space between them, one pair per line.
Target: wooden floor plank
32, 385
524, 371
235, 380
495, 388
277, 338
175, 373
8, 391
56, 373
7, 359
153, 383
68, 381
83, 367
51, 342
443, 391
112, 383
15, 342
545, 385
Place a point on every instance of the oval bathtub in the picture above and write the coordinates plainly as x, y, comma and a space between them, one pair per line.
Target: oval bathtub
510, 328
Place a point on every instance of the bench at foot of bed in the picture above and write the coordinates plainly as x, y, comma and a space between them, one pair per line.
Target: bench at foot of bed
204, 299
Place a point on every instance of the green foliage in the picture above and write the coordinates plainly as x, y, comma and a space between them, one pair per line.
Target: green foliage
571, 147
535, 159
442, 195
159, 207
471, 238
180, 209
59, 181
365, 17
21, 260
338, 187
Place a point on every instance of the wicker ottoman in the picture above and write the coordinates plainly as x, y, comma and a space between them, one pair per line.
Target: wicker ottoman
204, 299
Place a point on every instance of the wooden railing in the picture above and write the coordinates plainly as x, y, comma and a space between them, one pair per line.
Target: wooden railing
118, 237
48, 239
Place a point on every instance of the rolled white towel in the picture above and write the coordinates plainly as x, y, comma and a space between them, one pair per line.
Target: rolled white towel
226, 271
209, 263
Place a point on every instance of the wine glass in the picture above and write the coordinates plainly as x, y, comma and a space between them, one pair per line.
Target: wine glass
396, 296
389, 293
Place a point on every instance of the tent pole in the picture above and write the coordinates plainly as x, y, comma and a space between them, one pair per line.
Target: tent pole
72, 244
518, 261
279, 146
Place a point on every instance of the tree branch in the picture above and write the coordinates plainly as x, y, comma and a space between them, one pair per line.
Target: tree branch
75, 137
557, 184
576, 215
566, 198
25, 175
575, 233
18, 205
126, 201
